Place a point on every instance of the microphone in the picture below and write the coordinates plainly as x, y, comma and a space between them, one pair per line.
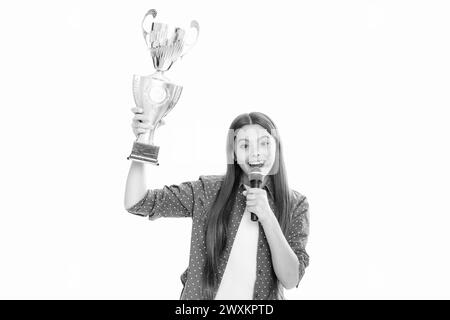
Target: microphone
256, 179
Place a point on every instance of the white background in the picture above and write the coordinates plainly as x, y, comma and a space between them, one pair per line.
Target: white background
358, 89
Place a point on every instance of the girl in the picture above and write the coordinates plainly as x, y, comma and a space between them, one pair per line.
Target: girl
231, 256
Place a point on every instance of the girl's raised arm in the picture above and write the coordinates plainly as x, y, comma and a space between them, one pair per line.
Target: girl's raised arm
136, 186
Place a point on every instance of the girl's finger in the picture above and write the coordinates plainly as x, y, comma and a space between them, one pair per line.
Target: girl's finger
251, 203
141, 130
137, 110
144, 125
251, 196
140, 117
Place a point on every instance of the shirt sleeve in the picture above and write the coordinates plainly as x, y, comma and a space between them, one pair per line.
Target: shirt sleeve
298, 233
170, 201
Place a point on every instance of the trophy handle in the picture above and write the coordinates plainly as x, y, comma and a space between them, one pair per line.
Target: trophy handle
145, 33
188, 46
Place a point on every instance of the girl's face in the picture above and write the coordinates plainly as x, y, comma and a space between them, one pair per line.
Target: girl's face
254, 145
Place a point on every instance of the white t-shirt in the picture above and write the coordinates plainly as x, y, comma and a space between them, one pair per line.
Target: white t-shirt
239, 277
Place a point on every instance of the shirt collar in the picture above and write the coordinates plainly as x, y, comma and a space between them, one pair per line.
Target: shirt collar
268, 186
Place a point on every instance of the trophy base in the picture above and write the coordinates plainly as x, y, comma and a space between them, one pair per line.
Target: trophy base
144, 153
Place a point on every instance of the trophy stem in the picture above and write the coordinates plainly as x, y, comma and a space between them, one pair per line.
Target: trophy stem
151, 137
147, 138
159, 74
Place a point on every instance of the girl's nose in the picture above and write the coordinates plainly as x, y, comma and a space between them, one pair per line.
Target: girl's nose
254, 154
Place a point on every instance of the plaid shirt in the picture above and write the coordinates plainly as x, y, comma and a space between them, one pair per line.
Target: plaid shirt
194, 199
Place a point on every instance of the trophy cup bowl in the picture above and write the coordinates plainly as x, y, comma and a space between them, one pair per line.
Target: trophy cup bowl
155, 93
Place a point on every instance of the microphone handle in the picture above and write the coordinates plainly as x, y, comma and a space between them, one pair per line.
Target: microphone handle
255, 184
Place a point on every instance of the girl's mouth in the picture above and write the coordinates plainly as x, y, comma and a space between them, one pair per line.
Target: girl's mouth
256, 164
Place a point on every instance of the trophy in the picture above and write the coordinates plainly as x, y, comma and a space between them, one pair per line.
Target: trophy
155, 93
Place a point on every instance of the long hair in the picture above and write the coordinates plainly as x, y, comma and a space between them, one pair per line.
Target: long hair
218, 218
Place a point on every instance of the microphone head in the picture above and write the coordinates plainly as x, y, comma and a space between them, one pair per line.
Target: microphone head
255, 177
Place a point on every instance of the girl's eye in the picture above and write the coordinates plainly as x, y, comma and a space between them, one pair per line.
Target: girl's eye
244, 146
265, 143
